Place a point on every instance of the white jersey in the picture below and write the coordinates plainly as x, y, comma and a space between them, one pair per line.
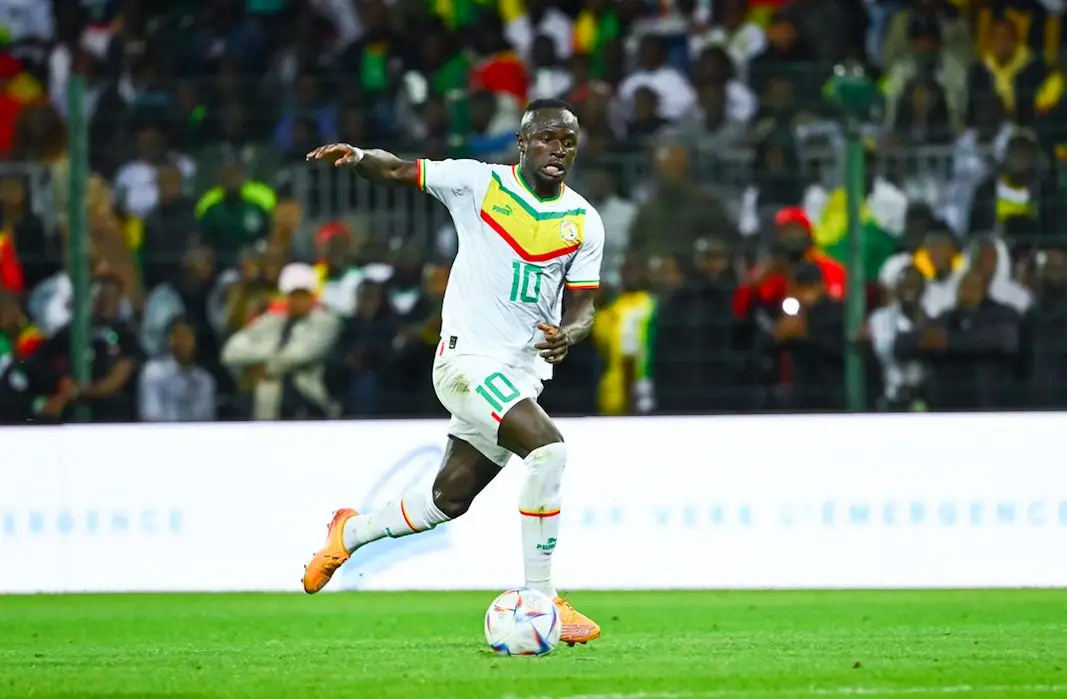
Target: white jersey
516, 254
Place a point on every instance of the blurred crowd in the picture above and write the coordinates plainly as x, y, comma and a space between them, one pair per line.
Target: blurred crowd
230, 281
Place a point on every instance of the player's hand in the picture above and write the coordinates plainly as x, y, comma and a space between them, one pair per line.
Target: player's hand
556, 343
340, 154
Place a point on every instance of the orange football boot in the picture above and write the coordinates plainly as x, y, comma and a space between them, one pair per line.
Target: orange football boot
576, 627
331, 556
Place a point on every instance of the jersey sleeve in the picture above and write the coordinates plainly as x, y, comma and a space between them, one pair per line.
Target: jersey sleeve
449, 180
584, 272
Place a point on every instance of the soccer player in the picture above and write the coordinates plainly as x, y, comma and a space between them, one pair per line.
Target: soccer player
523, 237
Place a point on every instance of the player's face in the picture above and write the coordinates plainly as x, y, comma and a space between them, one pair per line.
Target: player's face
549, 144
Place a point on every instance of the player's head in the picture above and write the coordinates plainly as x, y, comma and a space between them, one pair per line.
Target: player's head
548, 141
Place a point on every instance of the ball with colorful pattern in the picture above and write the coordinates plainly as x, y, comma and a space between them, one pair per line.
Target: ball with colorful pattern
522, 622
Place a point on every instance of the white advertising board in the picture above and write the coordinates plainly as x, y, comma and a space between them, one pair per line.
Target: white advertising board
729, 502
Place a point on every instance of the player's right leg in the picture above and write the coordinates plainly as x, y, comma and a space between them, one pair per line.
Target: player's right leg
464, 473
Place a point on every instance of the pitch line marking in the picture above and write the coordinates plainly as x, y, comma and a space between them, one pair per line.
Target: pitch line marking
820, 692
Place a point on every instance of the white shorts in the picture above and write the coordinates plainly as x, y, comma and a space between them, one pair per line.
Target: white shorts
479, 391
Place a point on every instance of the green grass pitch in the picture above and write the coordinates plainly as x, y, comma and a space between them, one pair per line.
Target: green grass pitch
656, 645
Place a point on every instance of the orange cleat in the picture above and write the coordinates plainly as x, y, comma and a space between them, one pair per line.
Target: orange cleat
331, 556
577, 627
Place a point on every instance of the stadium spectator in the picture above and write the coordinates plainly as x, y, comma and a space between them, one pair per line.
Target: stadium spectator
541, 19
1035, 23
952, 27
767, 284
235, 213
805, 345
927, 80
883, 214
549, 78
174, 388
115, 357
1047, 331
898, 333
169, 229
235, 142
670, 75
601, 188
596, 26
366, 347
715, 67
676, 95
1020, 189
690, 321
974, 350
492, 127
1008, 68
622, 335
283, 354
27, 256
189, 294
19, 339
787, 54
677, 211
710, 128
777, 184
743, 40
989, 258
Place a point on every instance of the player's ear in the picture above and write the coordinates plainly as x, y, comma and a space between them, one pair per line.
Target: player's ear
520, 141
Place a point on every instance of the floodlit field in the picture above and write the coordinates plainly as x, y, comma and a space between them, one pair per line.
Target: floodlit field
671, 645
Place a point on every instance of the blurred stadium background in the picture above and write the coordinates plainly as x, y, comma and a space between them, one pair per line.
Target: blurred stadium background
780, 240
712, 139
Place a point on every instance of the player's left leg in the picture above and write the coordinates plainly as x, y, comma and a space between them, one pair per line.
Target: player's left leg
464, 473
527, 431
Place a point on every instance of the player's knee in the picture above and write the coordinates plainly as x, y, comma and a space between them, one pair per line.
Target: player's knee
550, 457
544, 475
453, 493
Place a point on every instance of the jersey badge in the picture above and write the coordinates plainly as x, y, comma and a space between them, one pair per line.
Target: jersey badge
568, 231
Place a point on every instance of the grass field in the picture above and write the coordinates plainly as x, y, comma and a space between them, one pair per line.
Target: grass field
671, 645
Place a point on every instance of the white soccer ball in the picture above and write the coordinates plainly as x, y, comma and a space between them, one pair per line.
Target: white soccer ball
522, 622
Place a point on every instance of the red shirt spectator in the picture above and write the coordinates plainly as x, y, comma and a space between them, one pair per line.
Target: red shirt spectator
769, 283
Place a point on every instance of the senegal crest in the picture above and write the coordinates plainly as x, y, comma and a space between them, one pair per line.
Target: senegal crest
568, 231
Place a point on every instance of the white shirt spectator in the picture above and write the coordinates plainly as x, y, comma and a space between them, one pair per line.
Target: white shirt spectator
549, 83
554, 24
885, 324
27, 19
676, 94
618, 215
972, 162
742, 45
137, 186
170, 392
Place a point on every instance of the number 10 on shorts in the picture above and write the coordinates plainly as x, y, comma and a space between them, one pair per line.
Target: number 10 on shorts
497, 390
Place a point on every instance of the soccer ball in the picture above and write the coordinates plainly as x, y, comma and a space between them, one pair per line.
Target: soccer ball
522, 622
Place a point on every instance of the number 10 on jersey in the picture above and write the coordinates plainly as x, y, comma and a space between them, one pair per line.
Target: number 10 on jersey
525, 282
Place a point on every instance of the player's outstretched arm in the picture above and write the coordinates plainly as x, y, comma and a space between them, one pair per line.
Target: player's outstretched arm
375, 165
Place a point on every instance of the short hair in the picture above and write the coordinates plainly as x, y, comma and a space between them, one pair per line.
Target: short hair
548, 103
545, 104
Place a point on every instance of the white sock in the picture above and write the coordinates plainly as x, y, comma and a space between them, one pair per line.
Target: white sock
539, 505
414, 513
